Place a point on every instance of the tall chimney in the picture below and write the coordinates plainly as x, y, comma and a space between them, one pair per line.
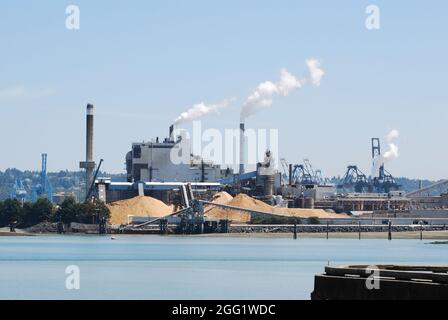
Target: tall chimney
89, 133
89, 164
171, 136
242, 147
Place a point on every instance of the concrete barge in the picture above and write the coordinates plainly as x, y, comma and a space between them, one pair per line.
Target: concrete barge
383, 282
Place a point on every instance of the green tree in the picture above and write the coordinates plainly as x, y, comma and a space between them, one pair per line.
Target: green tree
40, 211
93, 211
12, 211
68, 210
1, 214
87, 212
103, 210
313, 220
275, 220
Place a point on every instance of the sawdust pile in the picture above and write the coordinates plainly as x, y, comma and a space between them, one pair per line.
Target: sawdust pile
247, 202
222, 198
244, 201
139, 206
306, 213
220, 213
219, 198
152, 208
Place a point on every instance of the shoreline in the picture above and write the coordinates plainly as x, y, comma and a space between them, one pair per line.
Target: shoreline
17, 234
405, 235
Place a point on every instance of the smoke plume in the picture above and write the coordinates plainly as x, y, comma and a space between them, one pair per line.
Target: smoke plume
391, 154
263, 96
316, 73
201, 109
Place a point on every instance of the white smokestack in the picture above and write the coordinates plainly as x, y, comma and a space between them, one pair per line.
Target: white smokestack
264, 95
201, 109
391, 154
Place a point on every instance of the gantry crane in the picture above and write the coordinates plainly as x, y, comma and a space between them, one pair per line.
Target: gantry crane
355, 179
19, 191
43, 188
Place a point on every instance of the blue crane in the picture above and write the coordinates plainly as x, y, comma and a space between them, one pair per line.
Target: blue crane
19, 191
43, 188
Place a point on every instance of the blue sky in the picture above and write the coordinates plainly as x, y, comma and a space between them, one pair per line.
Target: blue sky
141, 63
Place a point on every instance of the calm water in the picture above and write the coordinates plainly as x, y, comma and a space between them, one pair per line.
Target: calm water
153, 267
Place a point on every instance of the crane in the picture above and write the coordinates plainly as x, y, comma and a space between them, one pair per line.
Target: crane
309, 167
92, 186
385, 182
43, 188
355, 179
319, 177
285, 170
302, 176
19, 191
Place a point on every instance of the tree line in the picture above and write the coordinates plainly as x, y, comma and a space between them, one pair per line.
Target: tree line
29, 214
61, 181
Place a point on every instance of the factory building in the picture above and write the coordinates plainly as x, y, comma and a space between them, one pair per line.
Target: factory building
151, 172
160, 168
392, 201
152, 162
430, 202
109, 191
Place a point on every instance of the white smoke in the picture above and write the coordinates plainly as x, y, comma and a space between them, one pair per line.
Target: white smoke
263, 96
391, 154
201, 109
316, 73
